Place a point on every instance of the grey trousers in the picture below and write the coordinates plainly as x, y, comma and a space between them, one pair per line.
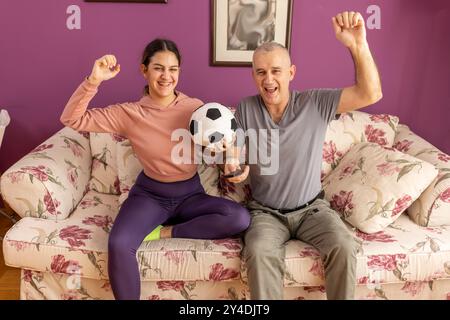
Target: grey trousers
317, 225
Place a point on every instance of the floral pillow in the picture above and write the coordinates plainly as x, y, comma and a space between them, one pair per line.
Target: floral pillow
432, 208
355, 127
373, 185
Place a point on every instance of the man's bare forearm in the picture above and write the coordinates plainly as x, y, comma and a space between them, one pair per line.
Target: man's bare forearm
368, 81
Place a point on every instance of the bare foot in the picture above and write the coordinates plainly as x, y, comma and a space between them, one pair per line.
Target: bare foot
166, 232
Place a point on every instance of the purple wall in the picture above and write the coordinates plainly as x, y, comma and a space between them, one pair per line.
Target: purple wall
42, 62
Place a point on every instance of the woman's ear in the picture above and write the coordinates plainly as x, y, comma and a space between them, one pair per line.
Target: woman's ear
144, 70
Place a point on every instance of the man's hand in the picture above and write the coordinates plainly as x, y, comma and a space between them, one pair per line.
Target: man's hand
104, 68
231, 167
350, 29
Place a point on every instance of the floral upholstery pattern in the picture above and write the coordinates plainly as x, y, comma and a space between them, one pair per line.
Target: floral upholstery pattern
355, 127
391, 258
373, 185
433, 206
104, 175
61, 243
37, 285
49, 181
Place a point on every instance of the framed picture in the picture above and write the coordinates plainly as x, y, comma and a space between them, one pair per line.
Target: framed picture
142, 1
238, 27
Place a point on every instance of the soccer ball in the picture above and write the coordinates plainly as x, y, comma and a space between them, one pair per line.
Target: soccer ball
211, 123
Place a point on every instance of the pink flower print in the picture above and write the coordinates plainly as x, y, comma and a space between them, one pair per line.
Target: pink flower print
84, 134
342, 202
379, 236
231, 244
51, 204
317, 269
27, 275
42, 147
60, 265
75, 235
37, 172
380, 118
96, 163
375, 135
363, 280
72, 176
18, 245
219, 273
445, 196
413, 287
70, 295
385, 261
170, 285
443, 157
347, 170
15, 177
154, 297
310, 289
117, 138
329, 152
401, 204
104, 222
106, 286
309, 252
387, 169
231, 255
76, 148
403, 145
176, 257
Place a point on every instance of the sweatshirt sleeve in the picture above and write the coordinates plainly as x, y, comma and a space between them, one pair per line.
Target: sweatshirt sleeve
76, 116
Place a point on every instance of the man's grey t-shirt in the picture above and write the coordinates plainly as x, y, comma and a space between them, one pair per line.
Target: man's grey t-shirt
289, 175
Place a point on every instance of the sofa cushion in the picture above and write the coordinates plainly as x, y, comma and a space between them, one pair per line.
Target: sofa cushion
104, 177
432, 208
129, 167
373, 185
78, 245
355, 127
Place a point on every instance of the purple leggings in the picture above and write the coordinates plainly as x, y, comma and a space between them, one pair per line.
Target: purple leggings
151, 203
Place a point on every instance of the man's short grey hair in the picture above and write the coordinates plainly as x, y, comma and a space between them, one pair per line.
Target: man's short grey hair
270, 46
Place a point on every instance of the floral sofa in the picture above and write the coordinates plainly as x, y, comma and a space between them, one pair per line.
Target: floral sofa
68, 191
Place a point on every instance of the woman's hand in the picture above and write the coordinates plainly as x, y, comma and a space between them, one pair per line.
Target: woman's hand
104, 68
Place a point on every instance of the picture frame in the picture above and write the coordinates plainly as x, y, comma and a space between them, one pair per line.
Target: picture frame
238, 27
135, 1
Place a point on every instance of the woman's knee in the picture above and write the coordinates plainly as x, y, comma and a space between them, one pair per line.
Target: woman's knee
238, 217
119, 242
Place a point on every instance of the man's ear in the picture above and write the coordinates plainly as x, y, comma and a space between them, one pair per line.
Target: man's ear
292, 71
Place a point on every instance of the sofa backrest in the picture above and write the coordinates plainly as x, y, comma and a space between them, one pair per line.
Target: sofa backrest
115, 167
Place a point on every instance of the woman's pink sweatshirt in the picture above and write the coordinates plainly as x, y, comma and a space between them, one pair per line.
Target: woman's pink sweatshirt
147, 125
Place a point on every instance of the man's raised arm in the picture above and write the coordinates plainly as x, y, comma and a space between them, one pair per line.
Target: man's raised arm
350, 31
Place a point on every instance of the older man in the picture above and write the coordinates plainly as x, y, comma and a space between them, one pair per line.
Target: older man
289, 203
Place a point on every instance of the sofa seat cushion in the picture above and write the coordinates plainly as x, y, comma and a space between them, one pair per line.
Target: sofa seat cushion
402, 252
78, 245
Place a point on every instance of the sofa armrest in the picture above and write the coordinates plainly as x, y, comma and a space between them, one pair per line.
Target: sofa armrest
49, 181
432, 208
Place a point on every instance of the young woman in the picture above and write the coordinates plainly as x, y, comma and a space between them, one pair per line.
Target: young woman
164, 190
